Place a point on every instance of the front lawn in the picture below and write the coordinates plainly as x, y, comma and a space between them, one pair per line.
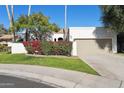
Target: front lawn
57, 62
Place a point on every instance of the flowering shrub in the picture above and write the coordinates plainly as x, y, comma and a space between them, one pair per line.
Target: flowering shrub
62, 48
49, 48
46, 47
33, 47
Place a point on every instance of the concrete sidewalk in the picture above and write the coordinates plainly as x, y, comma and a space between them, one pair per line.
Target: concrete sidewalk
59, 77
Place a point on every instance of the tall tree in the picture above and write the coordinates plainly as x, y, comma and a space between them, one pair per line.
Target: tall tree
29, 10
27, 33
8, 12
113, 17
37, 23
11, 19
66, 34
13, 27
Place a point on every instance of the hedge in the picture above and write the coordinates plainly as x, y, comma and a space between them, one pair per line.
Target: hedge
49, 48
4, 48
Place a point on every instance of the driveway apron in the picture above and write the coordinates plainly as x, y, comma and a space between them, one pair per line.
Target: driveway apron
107, 64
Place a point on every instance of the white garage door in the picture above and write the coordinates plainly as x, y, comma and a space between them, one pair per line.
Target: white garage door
93, 46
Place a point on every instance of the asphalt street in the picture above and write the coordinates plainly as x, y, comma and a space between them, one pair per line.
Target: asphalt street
14, 82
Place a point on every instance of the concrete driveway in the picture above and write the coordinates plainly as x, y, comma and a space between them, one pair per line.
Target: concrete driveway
107, 64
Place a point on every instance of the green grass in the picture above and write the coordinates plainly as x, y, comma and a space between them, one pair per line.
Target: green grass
57, 62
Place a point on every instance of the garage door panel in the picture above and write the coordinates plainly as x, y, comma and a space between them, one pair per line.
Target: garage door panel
88, 47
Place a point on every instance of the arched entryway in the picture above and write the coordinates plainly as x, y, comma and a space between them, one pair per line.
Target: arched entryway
120, 42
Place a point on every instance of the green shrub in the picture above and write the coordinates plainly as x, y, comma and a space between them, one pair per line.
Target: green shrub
64, 48
56, 48
4, 48
46, 47
29, 49
49, 48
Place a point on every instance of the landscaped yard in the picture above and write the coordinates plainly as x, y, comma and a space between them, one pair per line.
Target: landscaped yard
57, 62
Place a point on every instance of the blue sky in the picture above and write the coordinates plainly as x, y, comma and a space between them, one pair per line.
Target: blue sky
78, 15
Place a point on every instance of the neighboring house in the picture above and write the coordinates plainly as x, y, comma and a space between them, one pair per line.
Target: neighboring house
6, 38
57, 36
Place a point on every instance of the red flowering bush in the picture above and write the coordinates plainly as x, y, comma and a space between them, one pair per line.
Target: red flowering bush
33, 47
49, 48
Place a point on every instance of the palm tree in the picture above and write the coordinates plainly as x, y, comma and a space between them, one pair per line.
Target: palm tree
11, 19
29, 10
13, 28
27, 34
8, 12
66, 37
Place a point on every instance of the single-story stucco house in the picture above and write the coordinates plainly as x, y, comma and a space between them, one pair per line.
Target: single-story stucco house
90, 40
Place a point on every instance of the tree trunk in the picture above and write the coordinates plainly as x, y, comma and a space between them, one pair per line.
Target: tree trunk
11, 19
29, 10
8, 12
27, 29
13, 29
27, 35
66, 34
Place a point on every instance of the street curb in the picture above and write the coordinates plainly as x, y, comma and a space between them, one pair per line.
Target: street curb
53, 56
58, 78
52, 81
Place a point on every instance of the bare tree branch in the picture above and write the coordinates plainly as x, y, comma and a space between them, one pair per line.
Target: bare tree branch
12, 9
